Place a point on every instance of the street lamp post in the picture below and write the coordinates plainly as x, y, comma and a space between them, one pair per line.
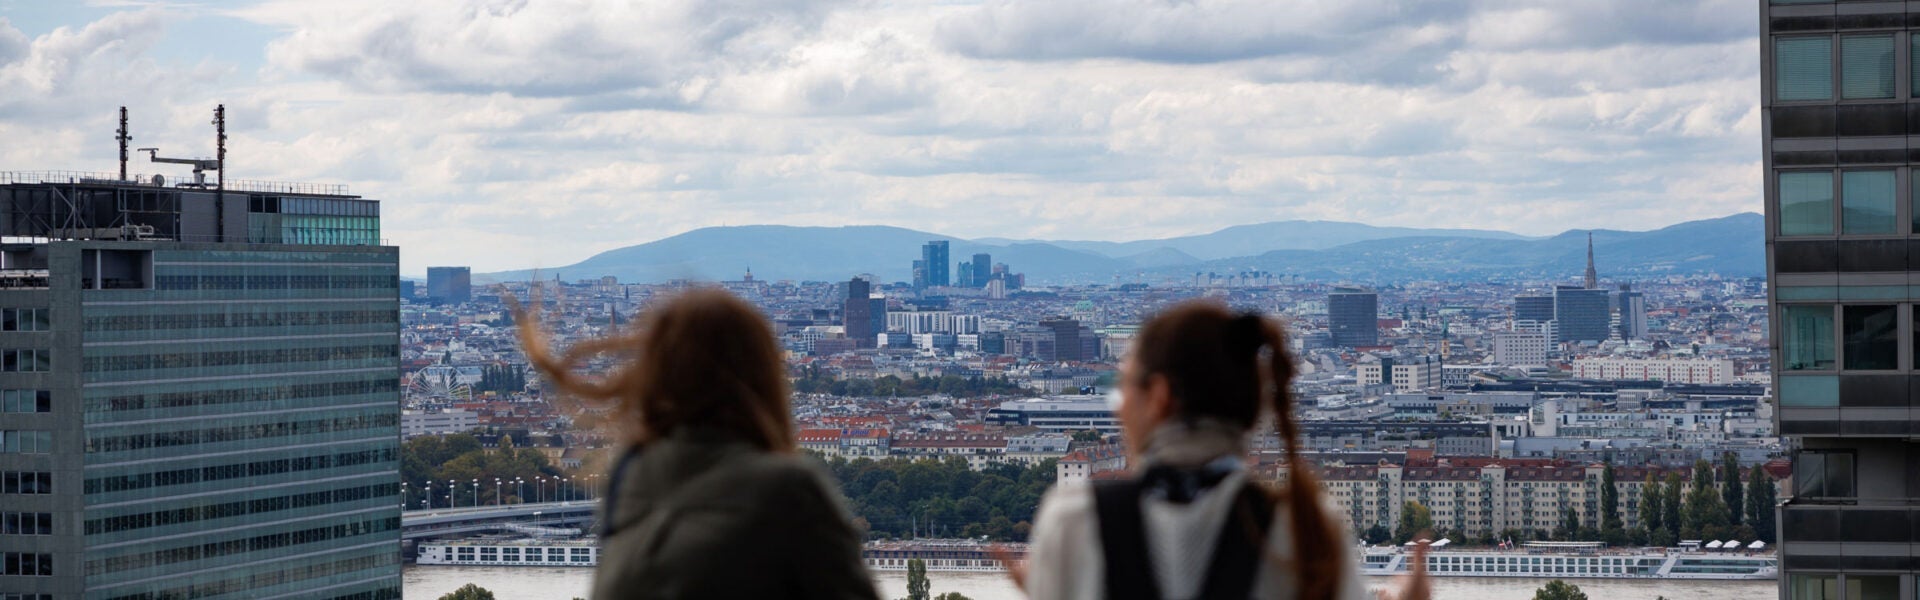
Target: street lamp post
453, 492
540, 488
427, 502
403, 495
476, 493
496, 491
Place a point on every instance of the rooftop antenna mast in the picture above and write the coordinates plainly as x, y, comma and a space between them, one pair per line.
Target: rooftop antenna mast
219, 158
124, 138
200, 165
220, 162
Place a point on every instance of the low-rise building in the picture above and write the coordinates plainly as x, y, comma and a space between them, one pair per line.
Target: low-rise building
980, 449
1086, 462
437, 422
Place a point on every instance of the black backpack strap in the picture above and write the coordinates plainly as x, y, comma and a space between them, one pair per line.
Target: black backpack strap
1241, 546
612, 493
1123, 541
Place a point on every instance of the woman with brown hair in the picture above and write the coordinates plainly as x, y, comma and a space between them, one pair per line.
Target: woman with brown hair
709, 500
1188, 523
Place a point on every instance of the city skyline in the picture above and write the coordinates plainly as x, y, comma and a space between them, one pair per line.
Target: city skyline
553, 148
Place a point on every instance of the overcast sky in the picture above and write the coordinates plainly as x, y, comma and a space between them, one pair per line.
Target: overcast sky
521, 133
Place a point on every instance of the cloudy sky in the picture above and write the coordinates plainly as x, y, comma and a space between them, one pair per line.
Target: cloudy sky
521, 133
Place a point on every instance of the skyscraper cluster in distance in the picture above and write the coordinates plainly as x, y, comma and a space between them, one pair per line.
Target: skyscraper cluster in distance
1569, 314
932, 271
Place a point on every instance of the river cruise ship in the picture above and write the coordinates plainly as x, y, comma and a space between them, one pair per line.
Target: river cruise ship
940, 555
1573, 560
511, 552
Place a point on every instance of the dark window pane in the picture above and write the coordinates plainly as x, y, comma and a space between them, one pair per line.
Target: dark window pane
1810, 475
1872, 342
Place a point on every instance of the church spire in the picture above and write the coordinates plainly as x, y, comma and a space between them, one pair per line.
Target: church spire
1593, 277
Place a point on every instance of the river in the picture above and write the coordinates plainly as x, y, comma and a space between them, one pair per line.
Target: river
544, 583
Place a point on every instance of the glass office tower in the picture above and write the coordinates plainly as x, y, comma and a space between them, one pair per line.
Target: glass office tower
1353, 317
201, 393
1838, 95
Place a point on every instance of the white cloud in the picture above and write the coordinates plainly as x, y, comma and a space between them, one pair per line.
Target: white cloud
509, 134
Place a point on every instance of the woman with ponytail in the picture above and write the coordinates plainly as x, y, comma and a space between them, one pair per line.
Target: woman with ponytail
1187, 522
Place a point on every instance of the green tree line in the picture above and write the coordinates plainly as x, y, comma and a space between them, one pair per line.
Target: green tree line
460, 458
895, 498
502, 378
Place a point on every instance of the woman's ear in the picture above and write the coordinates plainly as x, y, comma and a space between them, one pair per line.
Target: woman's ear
1159, 396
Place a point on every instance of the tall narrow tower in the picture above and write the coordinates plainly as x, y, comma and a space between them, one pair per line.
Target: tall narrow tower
1593, 277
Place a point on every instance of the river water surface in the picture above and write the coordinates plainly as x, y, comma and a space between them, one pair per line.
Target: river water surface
542, 583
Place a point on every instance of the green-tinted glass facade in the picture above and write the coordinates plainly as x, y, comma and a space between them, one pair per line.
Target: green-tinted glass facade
291, 220
209, 420
241, 426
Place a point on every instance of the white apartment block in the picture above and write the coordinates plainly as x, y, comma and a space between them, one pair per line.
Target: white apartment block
416, 423
1483, 496
932, 321
1407, 375
1670, 370
1521, 347
979, 449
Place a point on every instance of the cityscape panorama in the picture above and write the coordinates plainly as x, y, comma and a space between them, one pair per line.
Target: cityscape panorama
973, 300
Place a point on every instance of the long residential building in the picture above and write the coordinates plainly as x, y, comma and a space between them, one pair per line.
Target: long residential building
1709, 371
1482, 496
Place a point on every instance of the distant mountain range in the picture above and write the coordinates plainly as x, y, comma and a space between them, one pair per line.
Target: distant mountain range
1320, 250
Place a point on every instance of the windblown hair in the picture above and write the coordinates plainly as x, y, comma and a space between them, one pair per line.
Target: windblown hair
702, 358
1229, 367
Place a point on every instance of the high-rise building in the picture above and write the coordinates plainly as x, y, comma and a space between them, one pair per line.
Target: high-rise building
1066, 338
920, 274
1538, 309
452, 285
1630, 309
982, 269
1836, 104
1353, 317
964, 277
214, 395
1581, 314
856, 314
934, 253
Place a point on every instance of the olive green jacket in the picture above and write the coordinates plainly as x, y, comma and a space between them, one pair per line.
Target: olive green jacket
701, 514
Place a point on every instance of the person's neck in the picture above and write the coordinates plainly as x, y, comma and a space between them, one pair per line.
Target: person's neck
1192, 443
